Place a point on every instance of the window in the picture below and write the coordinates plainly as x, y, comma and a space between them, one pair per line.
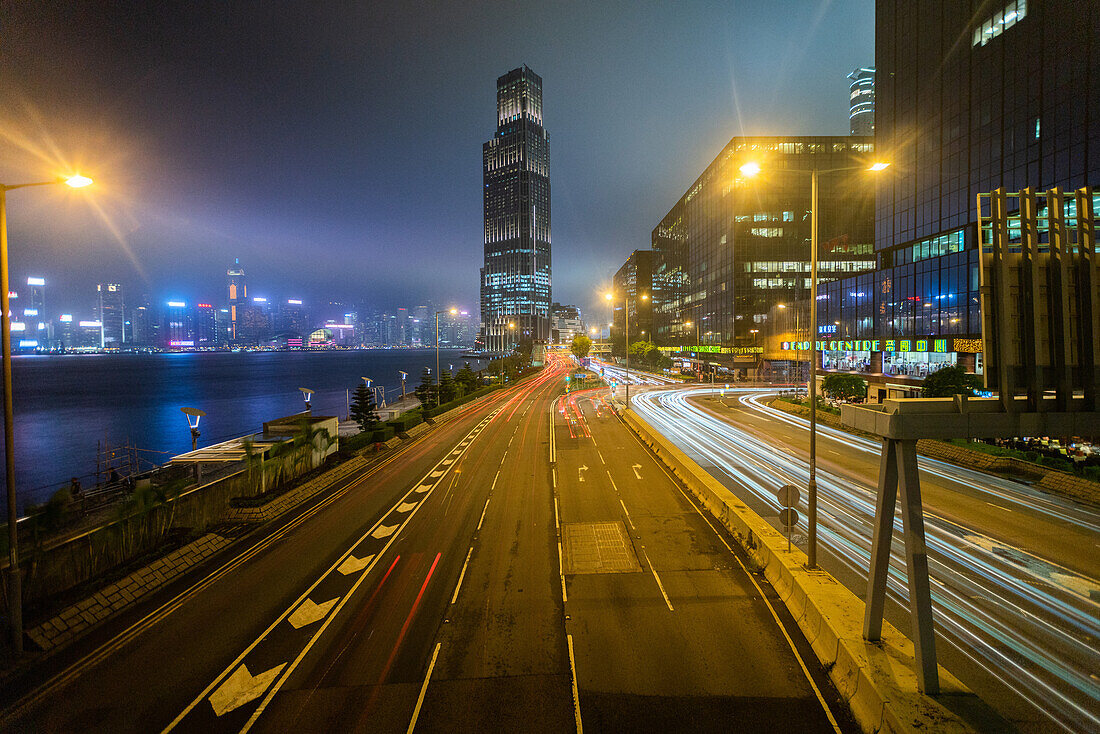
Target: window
1013, 12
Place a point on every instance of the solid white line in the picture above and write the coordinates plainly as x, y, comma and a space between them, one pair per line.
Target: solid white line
483, 510
576, 693
462, 575
423, 690
628, 516
658, 580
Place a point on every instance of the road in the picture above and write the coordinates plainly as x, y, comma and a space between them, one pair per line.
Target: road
1014, 571
429, 593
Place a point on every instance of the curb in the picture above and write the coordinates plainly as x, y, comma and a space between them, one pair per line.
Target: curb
877, 680
79, 618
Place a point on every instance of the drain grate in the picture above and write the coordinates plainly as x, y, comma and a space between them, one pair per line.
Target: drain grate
598, 547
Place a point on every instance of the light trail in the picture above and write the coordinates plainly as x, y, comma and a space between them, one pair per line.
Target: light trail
1028, 622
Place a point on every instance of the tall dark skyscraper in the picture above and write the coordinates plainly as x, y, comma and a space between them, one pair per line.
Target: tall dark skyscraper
515, 281
111, 312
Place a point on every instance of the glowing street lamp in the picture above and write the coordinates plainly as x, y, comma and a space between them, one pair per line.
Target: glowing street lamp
749, 170
307, 394
15, 579
193, 416
626, 315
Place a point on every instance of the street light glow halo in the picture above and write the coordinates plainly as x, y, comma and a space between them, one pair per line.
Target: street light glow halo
750, 169
879, 166
77, 181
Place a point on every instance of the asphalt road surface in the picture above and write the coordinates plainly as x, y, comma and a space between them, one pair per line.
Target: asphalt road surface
464, 585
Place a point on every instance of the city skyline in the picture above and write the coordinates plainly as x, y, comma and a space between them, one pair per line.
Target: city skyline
345, 166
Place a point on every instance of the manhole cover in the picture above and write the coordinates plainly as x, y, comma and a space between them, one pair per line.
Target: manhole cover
598, 547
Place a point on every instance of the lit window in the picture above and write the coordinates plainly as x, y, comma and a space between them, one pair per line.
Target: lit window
1013, 12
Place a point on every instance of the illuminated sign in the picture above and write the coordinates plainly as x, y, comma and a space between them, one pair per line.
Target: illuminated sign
36, 281
18, 326
930, 344
712, 349
30, 312
65, 318
92, 324
259, 299
294, 301
204, 305
177, 304
827, 329
28, 342
181, 343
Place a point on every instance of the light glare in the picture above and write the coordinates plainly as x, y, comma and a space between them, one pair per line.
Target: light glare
78, 182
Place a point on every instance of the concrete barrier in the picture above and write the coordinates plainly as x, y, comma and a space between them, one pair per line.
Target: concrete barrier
876, 679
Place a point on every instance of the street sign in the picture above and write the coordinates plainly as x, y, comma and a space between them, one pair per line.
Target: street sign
787, 495
789, 518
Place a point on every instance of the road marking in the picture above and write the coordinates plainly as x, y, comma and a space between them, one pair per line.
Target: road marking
561, 573
580, 472
423, 488
437, 474
405, 507
308, 612
999, 507
613, 485
384, 531
628, 518
636, 467
497, 476
554, 478
352, 564
242, 687
658, 580
423, 689
483, 510
576, 693
557, 523
601, 456
462, 575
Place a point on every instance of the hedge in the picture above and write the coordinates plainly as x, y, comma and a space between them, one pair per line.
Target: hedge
406, 421
439, 410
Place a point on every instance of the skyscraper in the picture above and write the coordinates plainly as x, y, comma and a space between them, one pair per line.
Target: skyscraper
238, 296
111, 314
515, 280
861, 101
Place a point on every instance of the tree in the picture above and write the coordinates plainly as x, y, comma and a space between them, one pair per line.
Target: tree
467, 379
425, 391
363, 407
844, 387
581, 346
446, 386
949, 381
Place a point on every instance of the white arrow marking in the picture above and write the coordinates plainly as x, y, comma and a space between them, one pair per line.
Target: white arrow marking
405, 507
352, 565
423, 488
308, 612
438, 473
580, 469
241, 687
636, 467
448, 461
383, 531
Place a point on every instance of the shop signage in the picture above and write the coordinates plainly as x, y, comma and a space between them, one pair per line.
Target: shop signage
941, 345
712, 349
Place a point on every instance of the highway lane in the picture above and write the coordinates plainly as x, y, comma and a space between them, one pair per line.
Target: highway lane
1022, 629
669, 631
143, 679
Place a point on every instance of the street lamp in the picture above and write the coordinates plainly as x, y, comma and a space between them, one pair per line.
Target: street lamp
193, 424
404, 376
307, 394
15, 599
452, 311
749, 170
626, 315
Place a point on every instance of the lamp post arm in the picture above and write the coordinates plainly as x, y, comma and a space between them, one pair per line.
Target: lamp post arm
10, 187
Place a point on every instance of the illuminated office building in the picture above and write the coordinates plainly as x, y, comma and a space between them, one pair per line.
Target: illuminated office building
861, 101
633, 291
967, 102
238, 297
111, 313
515, 280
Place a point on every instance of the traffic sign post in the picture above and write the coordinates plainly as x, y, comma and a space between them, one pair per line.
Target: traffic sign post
788, 497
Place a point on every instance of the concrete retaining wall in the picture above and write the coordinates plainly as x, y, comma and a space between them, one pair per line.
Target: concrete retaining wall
876, 679
287, 500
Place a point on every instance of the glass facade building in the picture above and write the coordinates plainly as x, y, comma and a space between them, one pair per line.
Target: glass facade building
733, 248
633, 294
515, 280
111, 312
1005, 107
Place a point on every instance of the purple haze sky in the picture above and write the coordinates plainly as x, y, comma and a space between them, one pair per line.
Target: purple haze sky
335, 148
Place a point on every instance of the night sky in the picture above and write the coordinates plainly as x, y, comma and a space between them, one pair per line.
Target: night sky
335, 148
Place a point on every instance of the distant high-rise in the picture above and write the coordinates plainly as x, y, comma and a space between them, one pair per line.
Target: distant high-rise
861, 101
238, 296
515, 280
111, 314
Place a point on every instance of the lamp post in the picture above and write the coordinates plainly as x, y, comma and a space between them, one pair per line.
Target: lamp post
451, 311
307, 395
404, 376
15, 589
626, 316
749, 170
193, 424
